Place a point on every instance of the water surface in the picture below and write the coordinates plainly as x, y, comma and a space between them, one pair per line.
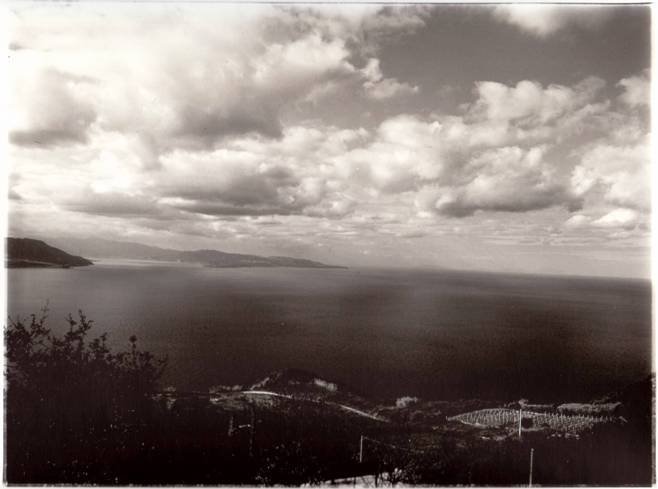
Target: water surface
442, 335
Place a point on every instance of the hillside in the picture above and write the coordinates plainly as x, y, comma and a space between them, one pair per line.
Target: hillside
306, 429
291, 428
25, 252
100, 248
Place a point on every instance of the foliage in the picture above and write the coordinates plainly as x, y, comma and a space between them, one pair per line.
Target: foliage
69, 397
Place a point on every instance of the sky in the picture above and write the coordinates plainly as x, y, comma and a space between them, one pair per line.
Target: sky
507, 138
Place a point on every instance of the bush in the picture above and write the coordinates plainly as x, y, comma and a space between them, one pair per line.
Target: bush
71, 402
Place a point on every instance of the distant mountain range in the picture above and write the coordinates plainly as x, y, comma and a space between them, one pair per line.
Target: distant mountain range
24, 252
101, 248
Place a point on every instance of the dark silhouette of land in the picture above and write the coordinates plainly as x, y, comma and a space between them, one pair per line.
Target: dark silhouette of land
100, 248
25, 252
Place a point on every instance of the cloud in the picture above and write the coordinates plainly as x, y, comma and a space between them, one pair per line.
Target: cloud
336, 208
255, 176
187, 85
621, 174
243, 94
148, 121
293, 175
402, 154
577, 221
366, 27
493, 157
238, 185
530, 104
209, 132
617, 219
503, 153
508, 179
622, 218
390, 23
637, 90
415, 234
379, 88
49, 108
545, 20
111, 204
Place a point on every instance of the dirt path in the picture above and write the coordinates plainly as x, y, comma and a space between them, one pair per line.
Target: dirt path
341, 406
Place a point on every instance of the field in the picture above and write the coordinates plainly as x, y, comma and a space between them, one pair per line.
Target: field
499, 417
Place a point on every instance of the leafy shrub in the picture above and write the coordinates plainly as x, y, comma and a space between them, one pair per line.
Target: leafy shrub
71, 400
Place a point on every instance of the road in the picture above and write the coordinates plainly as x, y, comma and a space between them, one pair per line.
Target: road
338, 405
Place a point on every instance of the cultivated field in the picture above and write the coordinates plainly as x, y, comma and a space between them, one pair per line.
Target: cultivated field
555, 421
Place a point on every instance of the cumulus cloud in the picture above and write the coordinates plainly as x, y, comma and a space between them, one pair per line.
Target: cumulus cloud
50, 108
507, 179
399, 158
619, 221
335, 208
545, 20
380, 88
210, 132
620, 173
496, 156
186, 84
252, 176
366, 27
530, 104
637, 90
225, 183
577, 221
392, 22
150, 122
623, 218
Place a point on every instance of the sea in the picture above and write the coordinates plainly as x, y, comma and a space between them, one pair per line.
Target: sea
380, 333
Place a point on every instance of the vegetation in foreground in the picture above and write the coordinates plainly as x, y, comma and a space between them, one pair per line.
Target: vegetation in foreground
78, 413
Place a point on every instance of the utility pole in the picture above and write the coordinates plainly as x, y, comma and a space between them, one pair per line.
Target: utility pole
252, 429
361, 449
532, 452
520, 416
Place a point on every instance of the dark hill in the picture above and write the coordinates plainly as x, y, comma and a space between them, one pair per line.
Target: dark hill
99, 248
220, 259
25, 252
